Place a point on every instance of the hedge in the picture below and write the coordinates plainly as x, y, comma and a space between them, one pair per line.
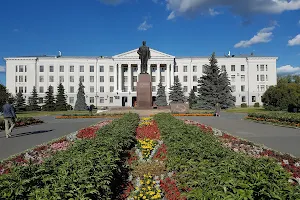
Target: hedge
277, 117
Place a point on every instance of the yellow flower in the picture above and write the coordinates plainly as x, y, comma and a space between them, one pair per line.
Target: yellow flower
144, 197
141, 195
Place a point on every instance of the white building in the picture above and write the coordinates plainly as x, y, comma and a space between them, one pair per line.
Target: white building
111, 81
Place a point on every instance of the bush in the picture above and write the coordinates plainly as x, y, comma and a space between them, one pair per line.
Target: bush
256, 105
244, 105
24, 121
215, 172
277, 117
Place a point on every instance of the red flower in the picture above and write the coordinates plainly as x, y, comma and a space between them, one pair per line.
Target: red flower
170, 189
150, 132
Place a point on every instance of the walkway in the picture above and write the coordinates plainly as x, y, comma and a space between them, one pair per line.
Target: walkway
285, 140
27, 137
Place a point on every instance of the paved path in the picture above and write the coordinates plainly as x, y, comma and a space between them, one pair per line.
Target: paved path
27, 137
286, 140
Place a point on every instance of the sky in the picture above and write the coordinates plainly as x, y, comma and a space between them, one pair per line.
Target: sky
176, 27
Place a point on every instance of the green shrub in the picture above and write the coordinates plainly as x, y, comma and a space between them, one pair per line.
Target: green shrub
283, 117
89, 169
256, 105
244, 105
215, 172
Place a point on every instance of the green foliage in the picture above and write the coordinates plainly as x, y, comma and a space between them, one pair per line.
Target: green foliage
289, 79
244, 105
89, 169
176, 94
161, 98
33, 100
49, 100
283, 117
215, 172
80, 101
20, 102
61, 100
192, 98
281, 96
256, 105
214, 87
4, 96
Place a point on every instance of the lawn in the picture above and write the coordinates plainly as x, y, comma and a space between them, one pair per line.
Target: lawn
246, 110
49, 113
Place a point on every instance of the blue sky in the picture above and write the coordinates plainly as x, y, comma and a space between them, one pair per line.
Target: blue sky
177, 27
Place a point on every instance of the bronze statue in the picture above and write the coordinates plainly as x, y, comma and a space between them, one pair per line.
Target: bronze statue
144, 56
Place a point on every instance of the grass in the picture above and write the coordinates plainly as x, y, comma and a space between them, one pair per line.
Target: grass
246, 110
49, 113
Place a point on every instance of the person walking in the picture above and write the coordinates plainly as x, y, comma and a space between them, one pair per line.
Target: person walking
218, 110
9, 118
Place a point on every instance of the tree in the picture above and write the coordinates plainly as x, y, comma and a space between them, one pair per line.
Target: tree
80, 101
214, 87
20, 102
61, 100
49, 100
161, 98
192, 98
33, 100
176, 94
4, 96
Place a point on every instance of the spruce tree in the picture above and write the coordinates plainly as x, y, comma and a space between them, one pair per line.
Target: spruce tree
80, 101
176, 94
4, 96
20, 102
192, 98
33, 100
225, 98
61, 100
161, 98
49, 100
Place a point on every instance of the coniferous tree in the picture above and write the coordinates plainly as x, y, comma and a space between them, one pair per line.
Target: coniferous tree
61, 100
20, 102
225, 94
192, 98
176, 94
80, 102
33, 100
49, 100
4, 96
161, 98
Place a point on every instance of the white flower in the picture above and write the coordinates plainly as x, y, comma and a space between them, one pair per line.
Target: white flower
297, 164
285, 162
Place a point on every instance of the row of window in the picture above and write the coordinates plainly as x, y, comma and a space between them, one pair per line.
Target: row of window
262, 77
21, 68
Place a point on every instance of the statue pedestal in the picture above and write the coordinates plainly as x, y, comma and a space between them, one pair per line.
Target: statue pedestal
144, 92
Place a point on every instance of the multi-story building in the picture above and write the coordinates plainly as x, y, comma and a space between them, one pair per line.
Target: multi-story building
112, 81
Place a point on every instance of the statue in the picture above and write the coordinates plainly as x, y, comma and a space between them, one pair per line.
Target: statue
144, 56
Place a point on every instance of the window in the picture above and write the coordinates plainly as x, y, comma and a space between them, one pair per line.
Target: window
101, 99
41, 68
267, 87
111, 89
185, 78
163, 69
262, 77
184, 68
262, 68
61, 79
153, 88
41, 89
111, 99
71, 89
92, 68
21, 89
262, 88
176, 78
175, 68
134, 88
266, 77
72, 68
194, 68
111, 79
242, 68
16, 79
153, 79
257, 77
162, 78
233, 89
20, 78
253, 98
232, 78
61, 68
81, 68
125, 79
51, 79
242, 88
203, 68
258, 88
25, 79
243, 78
25, 90
125, 69
92, 79
111, 68
125, 88
233, 68
101, 88
153, 69
266, 67
257, 69
185, 88
134, 79
81, 78
243, 99
195, 88
72, 79
194, 78
71, 100
25, 70
41, 100
101, 79
16, 68
92, 99
223, 68
135, 69
101, 68
92, 89
21, 69
41, 79
16, 89
51, 68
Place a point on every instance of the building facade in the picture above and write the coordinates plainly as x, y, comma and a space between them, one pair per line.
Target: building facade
112, 81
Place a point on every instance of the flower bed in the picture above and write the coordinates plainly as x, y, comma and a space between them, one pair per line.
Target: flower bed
208, 170
277, 118
24, 121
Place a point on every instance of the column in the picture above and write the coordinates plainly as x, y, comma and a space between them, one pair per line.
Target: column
120, 78
158, 73
129, 78
172, 73
168, 77
116, 78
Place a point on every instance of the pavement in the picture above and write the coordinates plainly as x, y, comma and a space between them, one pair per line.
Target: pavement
285, 140
24, 138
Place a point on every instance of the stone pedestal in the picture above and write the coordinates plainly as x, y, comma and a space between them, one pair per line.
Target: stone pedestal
144, 92
179, 108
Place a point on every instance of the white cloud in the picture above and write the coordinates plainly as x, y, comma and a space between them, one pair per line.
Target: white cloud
294, 41
171, 16
263, 36
212, 12
144, 26
2, 69
238, 7
288, 69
